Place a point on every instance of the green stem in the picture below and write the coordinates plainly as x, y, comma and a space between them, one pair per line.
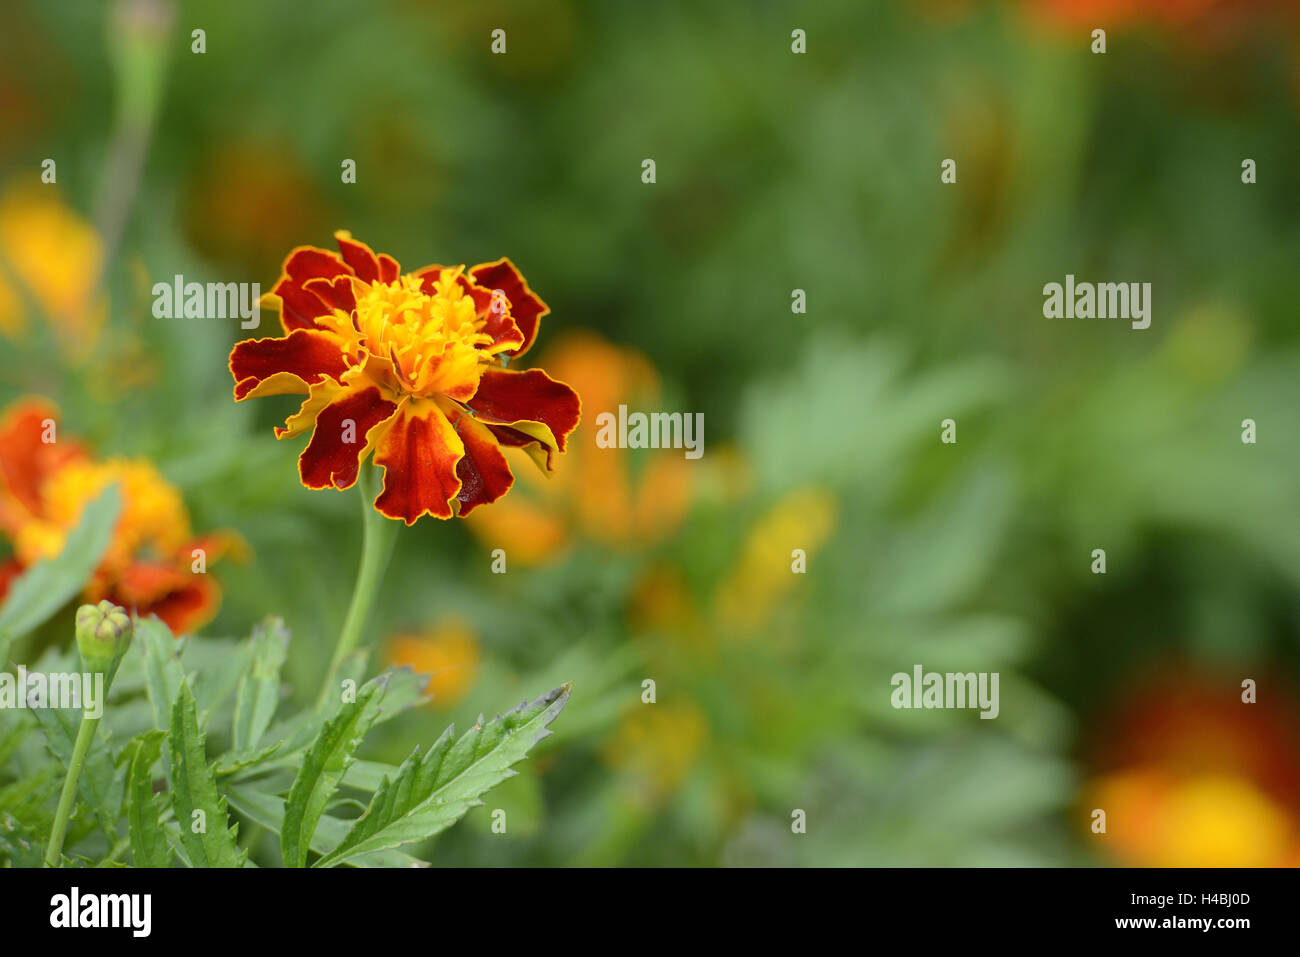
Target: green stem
85, 734
378, 535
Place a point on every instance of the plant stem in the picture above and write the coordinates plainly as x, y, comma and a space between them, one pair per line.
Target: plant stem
378, 535
85, 734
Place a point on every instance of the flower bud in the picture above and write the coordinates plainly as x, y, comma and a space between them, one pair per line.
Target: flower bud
103, 632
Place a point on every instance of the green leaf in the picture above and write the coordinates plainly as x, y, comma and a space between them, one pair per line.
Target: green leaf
405, 691
19, 846
163, 672
237, 762
267, 810
47, 586
259, 688
323, 767
149, 846
194, 789
100, 785
430, 793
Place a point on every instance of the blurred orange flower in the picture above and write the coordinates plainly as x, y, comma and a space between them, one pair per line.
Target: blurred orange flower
153, 564
448, 654
49, 254
657, 744
1191, 776
413, 368
600, 496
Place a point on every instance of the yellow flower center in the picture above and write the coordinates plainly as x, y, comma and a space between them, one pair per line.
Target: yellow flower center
433, 342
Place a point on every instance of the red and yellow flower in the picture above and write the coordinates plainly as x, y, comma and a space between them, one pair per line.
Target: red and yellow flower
1189, 775
411, 367
149, 566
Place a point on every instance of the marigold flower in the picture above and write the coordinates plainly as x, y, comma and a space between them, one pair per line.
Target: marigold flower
148, 566
412, 367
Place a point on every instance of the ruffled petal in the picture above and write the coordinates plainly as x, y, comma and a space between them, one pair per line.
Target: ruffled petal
526, 307
337, 292
298, 308
359, 257
484, 472
531, 404
419, 453
389, 270
310, 262
358, 414
288, 365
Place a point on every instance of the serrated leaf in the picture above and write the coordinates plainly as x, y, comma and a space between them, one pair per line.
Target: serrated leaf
163, 672
47, 586
19, 846
406, 689
100, 784
432, 792
267, 810
194, 788
259, 688
149, 846
323, 767
234, 762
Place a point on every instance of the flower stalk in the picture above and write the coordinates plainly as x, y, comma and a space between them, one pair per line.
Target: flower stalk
378, 536
103, 635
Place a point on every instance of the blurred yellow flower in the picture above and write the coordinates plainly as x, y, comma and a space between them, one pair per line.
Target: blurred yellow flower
801, 520
448, 653
1162, 820
657, 744
52, 255
599, 495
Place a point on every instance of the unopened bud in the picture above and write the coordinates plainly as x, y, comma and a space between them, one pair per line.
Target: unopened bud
103, 632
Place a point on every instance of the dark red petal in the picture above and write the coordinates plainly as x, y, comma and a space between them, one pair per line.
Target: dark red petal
419, 455
304, 356
299, 308
532, 396
389, 270
484, 472
328, 460
358, 256
526, 307
336, 292
308, 262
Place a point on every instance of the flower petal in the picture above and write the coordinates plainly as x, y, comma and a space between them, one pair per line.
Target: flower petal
526, 307
298, 308
389, 269
310, 262
358, 256
521, 401
337, 292
419, 453
26, 460
346, 430
288, 365
484, 472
